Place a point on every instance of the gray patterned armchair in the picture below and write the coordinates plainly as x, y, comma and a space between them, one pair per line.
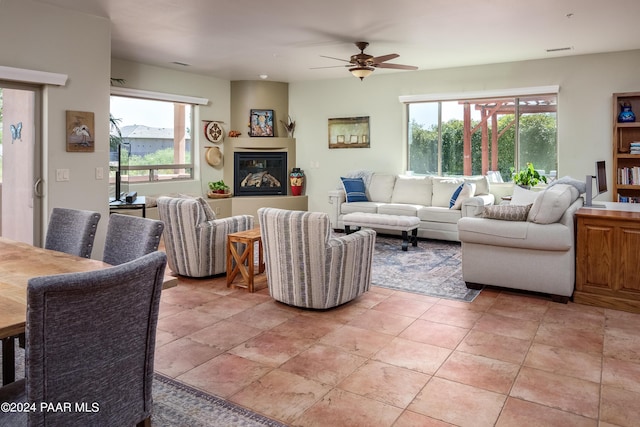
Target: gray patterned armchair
195, 241
306, 267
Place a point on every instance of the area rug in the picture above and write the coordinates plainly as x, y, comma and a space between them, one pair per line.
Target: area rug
178, 405
433, 268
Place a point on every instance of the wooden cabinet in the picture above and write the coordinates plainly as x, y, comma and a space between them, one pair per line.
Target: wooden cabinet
608, 257
626, 164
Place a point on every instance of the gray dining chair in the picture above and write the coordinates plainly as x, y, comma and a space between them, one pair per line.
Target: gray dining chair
72, 231
90, 341
130, 237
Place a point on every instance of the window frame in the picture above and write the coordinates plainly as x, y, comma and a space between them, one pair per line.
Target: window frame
194, 102
516, 94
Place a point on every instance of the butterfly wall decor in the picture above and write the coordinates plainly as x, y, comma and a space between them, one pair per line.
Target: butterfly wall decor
16, 132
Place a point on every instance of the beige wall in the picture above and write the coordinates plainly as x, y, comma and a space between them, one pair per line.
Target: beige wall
45, 38
41, 37
217, 91
584, 118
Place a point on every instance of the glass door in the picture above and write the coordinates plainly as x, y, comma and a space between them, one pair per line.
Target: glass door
21, 164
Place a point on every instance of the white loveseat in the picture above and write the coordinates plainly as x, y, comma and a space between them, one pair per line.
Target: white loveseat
532, 250
426, 197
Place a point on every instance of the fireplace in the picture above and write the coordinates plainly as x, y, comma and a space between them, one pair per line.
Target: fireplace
260, 173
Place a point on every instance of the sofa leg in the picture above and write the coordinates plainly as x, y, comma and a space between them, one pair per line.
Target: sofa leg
474, 286
560, 299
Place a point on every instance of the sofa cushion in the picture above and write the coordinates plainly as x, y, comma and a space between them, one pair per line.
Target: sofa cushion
413, 190
443, 188
515, 234
507, 212
522, 196
439, 215
354, 189
481, 182
369, 207
551, 204
467, 190
404, 209
381, 187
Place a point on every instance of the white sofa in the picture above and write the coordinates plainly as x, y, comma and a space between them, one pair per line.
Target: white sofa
535, 252
426, 197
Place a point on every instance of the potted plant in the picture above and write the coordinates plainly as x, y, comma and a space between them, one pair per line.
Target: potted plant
527, 177
219, 187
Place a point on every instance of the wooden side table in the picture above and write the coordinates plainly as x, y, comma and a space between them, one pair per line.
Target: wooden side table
244, 262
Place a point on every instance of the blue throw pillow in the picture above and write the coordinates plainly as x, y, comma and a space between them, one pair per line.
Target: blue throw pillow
354, 187
455, 195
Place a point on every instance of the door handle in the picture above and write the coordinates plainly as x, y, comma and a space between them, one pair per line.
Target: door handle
37, 188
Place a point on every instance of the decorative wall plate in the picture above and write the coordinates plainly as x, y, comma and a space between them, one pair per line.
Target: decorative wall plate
213, 132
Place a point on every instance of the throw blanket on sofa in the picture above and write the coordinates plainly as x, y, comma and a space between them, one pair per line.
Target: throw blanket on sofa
364, 174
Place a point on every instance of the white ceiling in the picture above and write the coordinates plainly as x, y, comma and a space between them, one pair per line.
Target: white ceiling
284, 39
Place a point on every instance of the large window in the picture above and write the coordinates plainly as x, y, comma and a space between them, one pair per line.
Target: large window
474, 136
157, 135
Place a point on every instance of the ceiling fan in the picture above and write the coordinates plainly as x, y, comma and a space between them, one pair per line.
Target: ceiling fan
363, 64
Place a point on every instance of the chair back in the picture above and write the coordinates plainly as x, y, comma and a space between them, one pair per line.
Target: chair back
91, 341
130, 237
72, 231
181, 217
295, 245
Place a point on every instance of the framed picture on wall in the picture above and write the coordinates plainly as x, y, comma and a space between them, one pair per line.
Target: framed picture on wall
261, 123
80, 131
349, 132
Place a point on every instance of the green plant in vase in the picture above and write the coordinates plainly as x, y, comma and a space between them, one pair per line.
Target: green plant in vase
219, 187
527, 177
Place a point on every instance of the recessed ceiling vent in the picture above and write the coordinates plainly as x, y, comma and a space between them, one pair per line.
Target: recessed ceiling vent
560, 49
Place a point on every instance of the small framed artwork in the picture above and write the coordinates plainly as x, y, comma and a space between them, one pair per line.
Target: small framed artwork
261, 123
80, 131
349, 132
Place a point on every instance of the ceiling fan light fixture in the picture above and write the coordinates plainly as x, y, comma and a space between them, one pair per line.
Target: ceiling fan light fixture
361, 72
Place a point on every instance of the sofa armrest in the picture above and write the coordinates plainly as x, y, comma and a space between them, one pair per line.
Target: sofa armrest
227, 225
355, 251
336, 199
474, 206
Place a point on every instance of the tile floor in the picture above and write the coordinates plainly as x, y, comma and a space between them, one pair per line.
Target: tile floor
391, 358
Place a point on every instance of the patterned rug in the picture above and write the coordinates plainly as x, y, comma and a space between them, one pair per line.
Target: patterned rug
178, 405
433, 268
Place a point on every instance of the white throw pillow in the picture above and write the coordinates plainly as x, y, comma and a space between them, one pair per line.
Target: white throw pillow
551, 204
468, 190
481, 182
522, 196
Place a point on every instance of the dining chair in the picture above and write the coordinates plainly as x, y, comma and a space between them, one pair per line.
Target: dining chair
90, 344
130, 237
72, 231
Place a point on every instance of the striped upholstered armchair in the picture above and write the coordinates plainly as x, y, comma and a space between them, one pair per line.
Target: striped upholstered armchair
195, 241
306, 267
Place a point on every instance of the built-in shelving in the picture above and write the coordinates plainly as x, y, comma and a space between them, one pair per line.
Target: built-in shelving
626, 166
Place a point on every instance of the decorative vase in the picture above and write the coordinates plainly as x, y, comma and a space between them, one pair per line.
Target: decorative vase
296, 179
626, 115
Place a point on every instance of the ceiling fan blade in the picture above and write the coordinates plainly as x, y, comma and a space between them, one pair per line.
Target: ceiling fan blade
337, 59
330, 66
396, 66
383, 58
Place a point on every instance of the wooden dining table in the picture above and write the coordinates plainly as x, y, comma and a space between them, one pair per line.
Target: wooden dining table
20, 262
